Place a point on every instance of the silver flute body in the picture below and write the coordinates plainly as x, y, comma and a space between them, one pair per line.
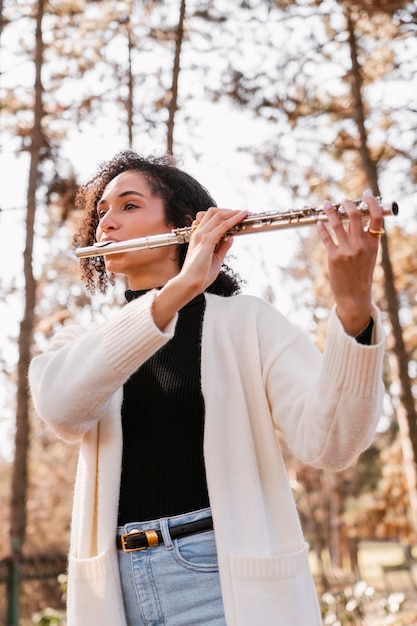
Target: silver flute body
253, 223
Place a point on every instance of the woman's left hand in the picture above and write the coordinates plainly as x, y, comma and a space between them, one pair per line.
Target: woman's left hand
352, 256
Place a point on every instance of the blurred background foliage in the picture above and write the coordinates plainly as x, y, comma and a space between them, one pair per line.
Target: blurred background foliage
270, 103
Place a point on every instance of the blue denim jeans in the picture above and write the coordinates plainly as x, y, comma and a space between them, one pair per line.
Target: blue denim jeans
175, 583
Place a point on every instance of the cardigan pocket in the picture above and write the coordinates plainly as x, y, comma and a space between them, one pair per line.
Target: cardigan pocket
94, 591
276, 590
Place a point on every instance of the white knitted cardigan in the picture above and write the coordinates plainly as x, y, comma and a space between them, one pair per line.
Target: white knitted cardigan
260, 376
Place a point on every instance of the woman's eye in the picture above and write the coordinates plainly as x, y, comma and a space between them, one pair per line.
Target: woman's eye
126, 207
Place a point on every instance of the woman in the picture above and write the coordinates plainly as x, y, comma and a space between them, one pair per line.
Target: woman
183, 513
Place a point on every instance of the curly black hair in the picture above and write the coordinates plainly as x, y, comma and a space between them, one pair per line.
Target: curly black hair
182, 195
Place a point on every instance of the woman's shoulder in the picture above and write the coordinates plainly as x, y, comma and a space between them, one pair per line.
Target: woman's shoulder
243, 306
249, 316
240, 300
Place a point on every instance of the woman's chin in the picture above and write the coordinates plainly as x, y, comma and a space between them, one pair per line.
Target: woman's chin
115, 263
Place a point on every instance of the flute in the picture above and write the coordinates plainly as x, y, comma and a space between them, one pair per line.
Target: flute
253, 223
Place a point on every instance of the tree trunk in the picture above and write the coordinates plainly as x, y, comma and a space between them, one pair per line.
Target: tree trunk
399, 374
1, 17
406, 444
173, 102
131, 89
335, 523
19, 473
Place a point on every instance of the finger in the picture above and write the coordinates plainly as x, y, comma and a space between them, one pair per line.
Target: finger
326, 237
223, 247
199, 215
375, 211
335, 221
217, 221
355, 216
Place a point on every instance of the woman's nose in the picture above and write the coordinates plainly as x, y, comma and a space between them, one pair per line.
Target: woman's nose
108, 222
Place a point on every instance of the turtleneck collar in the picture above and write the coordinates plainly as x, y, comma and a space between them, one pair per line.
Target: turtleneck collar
131, 294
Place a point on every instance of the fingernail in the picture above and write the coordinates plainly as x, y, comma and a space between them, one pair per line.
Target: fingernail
368, 192
327, 204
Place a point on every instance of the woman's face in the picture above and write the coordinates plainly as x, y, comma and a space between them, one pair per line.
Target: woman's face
129, 210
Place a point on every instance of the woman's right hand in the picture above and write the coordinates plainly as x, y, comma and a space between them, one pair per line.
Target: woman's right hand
208, 247
202, 264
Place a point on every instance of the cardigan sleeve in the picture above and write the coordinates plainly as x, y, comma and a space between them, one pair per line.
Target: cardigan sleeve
73, 381
327, 406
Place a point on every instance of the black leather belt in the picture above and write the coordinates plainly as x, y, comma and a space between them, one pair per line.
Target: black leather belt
142, 539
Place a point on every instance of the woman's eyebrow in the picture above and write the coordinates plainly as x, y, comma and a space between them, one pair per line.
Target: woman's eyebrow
122, 195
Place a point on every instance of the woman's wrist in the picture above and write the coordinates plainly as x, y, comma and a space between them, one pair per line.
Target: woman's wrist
365, 336
353, 317
173, 296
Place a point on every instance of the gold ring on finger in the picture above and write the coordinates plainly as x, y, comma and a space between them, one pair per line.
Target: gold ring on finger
195, 225
376, 232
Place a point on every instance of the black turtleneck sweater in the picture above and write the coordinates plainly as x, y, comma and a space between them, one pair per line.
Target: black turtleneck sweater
163, 471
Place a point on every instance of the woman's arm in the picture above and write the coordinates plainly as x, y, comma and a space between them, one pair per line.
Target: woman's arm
73, 381
327, 405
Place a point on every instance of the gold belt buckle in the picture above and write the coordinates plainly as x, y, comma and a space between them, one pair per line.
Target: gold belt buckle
151, 537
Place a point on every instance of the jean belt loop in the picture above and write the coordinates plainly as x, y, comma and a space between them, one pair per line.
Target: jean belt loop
166, 534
